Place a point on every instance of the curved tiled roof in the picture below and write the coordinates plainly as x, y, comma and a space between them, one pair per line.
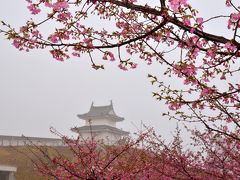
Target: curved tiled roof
98, 112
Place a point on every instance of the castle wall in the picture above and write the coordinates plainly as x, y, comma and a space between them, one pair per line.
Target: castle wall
104, 136
21, 141
101, 122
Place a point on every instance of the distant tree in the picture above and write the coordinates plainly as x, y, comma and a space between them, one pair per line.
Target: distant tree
207, 66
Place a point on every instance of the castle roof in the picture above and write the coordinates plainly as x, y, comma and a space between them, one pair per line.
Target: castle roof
99, 128
100, 112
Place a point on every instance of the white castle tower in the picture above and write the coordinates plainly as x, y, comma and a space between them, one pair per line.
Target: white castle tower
100, 124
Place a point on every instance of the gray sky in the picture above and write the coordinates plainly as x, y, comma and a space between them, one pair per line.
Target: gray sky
37, 92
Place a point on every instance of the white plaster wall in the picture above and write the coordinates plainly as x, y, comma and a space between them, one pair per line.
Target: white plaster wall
106, 137
101, 122
6, 142
87, 136
21, 142
111, 138
14, 142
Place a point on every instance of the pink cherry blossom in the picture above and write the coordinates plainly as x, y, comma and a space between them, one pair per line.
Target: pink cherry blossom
228, 4
133, 65
174, 106
122, 67
200, 23
111, 55
47, 4
64, 16
60, 5
17, 42
54, 38
230, 47
186, 21
192, 30
34, 9
206, 92
199, 20
211, 53
175, 4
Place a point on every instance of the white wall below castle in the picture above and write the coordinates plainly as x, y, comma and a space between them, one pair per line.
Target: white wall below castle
106, 137
101, 122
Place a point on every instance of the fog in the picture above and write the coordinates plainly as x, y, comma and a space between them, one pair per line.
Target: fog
37, 92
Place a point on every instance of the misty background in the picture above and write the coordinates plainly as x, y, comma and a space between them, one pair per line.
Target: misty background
37, 92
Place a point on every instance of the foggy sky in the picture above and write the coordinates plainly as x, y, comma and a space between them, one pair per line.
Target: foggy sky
37, 92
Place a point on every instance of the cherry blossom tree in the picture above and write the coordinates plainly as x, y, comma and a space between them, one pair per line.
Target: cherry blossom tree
147, 157
207, 64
